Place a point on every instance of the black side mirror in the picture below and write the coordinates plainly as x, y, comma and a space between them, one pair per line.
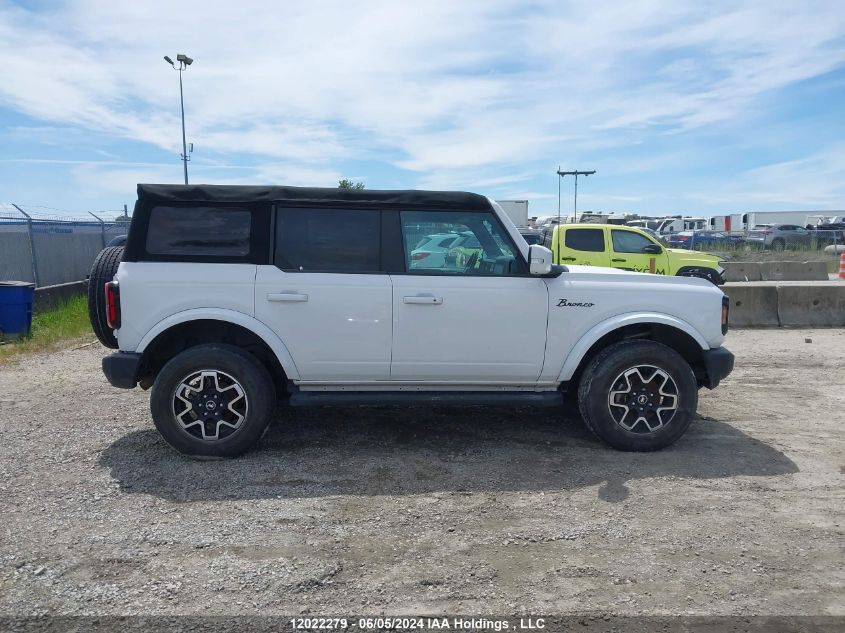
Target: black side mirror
653, 249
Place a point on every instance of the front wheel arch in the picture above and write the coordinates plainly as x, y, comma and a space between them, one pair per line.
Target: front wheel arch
681, 342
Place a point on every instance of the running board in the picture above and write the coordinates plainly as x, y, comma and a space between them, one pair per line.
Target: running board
393, 398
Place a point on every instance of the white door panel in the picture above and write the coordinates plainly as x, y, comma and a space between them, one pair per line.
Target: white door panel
468, 328
337, 327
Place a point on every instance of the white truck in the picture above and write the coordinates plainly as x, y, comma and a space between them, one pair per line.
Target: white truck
228, 300
516, 210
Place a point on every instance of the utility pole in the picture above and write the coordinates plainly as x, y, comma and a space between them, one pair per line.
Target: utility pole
575, 173
184, 62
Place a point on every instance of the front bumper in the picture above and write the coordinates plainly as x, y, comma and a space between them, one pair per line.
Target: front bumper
718, 363
122, 369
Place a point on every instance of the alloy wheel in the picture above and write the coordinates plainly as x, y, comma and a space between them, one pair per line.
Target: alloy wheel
209, 405
643, 399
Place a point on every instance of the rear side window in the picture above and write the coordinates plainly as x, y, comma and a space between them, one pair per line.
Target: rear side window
591, 240
328, 240
199, 231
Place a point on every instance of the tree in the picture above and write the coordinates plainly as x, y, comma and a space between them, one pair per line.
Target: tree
345, 183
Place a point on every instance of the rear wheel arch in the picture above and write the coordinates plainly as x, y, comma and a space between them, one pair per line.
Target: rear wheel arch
186, 334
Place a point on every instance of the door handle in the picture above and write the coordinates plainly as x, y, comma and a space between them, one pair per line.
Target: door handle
290, 297
619, 260
567, 259
423, 300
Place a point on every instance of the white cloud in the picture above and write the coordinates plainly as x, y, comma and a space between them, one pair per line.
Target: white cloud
816, 181
459, 92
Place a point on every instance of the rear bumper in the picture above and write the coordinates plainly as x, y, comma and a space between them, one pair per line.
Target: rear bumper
122, 369
718, 363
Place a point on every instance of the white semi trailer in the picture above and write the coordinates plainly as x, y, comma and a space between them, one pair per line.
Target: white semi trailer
517, 210
732, 222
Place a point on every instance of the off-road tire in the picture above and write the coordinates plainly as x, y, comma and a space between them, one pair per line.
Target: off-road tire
600, 375
102, 271
246, 369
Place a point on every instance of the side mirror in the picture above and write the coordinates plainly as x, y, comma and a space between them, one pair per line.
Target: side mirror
539, 260
653, 249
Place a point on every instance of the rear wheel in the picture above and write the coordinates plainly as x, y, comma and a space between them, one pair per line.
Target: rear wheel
102, 271
638, 395
213, 401
778, 245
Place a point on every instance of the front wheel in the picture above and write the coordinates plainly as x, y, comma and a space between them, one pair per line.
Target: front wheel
212, 401
638, 395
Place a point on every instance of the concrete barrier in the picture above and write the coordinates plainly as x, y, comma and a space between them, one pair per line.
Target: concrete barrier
742, 271
793, 271
753, 306
811, 306
49, 297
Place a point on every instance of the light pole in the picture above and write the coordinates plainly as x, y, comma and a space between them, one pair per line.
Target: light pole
575, 173
184, 61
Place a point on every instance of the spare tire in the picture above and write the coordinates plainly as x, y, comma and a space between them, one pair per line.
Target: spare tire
103, 270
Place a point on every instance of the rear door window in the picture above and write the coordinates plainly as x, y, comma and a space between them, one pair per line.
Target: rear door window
590, 240
328, 240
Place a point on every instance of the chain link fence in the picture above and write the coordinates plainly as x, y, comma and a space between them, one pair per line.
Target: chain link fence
48, 249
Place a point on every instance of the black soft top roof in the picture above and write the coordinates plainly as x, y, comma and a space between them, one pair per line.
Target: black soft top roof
311, 196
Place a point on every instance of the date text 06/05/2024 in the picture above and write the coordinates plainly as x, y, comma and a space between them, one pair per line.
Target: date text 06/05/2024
416, 624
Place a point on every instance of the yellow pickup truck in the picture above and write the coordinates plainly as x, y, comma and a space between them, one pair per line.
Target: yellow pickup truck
627, 248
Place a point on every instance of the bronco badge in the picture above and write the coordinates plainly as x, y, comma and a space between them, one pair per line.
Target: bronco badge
563, 303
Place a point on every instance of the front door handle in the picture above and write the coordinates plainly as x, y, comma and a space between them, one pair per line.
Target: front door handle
567, 259
424, 300
290, 297
619, 260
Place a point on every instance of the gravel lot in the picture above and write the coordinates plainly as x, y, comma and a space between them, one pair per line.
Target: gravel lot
404, 511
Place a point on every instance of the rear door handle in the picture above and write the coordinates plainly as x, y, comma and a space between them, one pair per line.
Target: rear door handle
619, 260
424, 300
290, 297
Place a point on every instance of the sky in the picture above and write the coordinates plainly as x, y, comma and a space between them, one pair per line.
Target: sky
680, 106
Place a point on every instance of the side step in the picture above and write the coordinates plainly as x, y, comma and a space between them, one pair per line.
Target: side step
399, 398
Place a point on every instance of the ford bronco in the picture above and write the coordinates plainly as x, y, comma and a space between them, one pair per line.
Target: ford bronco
227, 300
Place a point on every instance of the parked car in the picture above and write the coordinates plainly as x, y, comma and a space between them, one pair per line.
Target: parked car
704, 240
532, 236
432, 250
780, 236
627, 248
302, 297
657, 237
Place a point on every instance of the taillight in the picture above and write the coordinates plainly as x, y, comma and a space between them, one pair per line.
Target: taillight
726, 302
420, 255
113, 305
682, 238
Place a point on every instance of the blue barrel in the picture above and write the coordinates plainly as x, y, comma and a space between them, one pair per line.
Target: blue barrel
15, 308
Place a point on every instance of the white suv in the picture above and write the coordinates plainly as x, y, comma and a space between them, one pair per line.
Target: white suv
230, 299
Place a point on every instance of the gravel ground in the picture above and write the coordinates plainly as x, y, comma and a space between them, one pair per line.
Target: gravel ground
483, 510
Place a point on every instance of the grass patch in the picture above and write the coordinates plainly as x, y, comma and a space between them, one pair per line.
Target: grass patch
744, 253
51, 329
